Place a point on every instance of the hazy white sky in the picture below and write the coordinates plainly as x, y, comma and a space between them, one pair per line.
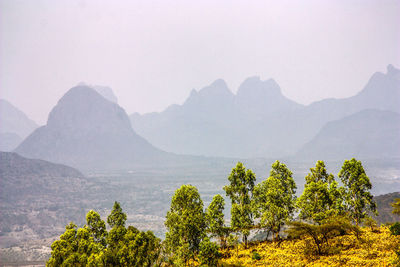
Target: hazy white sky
152, 53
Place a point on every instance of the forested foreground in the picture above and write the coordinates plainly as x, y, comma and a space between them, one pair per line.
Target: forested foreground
330, 223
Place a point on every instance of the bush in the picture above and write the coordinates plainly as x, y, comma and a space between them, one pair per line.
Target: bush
255, 256
395, 229
209, 253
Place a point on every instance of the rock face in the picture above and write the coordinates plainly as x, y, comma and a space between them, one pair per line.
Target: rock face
87, 131
366, 134
14, 126
258, 121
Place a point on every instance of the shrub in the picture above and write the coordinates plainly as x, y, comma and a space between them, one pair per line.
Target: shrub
395, 229
208, 254
255, 256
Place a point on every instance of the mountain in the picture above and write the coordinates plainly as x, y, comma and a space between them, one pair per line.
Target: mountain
87, 131
215, 122
365, 134
259, 121
381, 92
14, 126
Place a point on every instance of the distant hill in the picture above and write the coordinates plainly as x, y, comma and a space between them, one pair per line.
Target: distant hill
385, 209
34, 195
87, 131
258, 121
14, 126
365, 134
9, 141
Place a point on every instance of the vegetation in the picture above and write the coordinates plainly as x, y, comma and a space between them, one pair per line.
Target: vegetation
215, 219
274, 199
92, 245
357, 198
240, 191
186, 225
372, 249
321, 198
328, 230
396, 206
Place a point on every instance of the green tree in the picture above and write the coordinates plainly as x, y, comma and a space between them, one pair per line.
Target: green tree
186, 225
74, 247
357, 197
96, 227
116, 217
240, 190
215, 219
321, 197
274, 199
396, 206
320, 234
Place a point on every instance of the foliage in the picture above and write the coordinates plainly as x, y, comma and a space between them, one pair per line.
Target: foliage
255, 256
117, 217
320, 234
97, 227
370, 222
215, 219
321, 198
373, 249
186, 225
395, 228
357, 198
396, 206
93, 246
240, 191
209, 253
274, 198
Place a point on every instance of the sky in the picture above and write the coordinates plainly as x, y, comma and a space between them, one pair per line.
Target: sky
153, 53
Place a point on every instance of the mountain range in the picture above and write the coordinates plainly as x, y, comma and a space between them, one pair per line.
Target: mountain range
14, 126
259, 121
88, 130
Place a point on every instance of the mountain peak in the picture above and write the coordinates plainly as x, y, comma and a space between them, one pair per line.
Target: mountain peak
391, 70
82, 106
216, 92
86, 130
219, 83
255, 86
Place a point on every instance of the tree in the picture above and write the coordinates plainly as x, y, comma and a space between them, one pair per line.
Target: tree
116, 217
396, 206
96, 227
357, 198
186, 225
215, 219
74, 247
88, 246
274, 199
320, 234
240, 190
321, 197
